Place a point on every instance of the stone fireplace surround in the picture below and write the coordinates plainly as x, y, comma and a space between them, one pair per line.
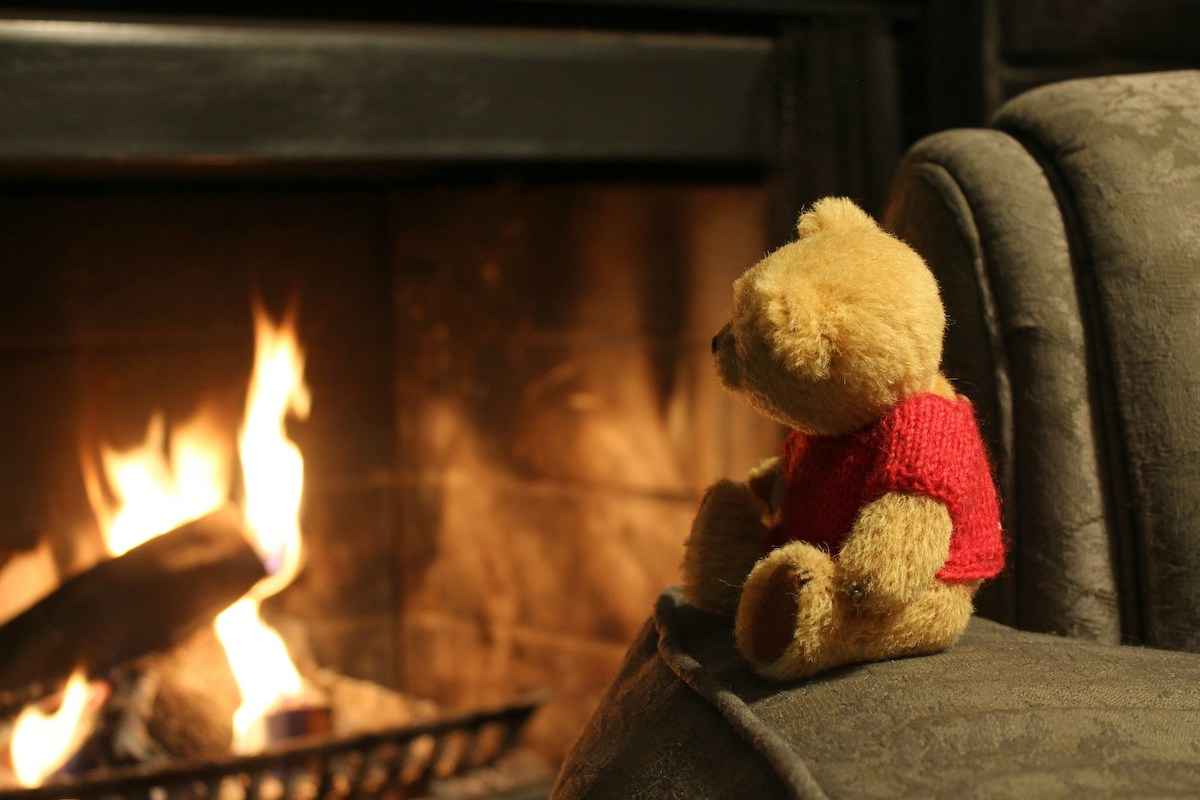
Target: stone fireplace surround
510, 248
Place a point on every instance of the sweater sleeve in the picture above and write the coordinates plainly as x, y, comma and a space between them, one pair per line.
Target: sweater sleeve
930, 445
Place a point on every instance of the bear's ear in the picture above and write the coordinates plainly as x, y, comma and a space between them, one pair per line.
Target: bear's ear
833, 212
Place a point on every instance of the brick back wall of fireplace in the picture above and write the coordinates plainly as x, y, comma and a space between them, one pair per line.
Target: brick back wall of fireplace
514, 411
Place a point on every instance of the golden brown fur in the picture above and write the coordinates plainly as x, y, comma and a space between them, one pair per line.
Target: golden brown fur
828, 333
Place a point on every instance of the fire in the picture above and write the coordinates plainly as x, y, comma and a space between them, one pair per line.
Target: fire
272, 472
265, 673
156, 486
272, 467
169, 480
43, 742
160, 484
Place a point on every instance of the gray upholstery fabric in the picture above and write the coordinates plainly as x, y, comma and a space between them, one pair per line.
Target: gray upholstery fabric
1002, 714
1068, 244
1123, 155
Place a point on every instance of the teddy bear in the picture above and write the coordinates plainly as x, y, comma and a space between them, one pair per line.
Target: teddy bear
868, 537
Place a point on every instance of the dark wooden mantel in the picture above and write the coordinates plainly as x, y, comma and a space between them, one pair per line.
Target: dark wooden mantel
212, 92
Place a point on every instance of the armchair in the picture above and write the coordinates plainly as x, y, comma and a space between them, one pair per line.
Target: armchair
1066, 238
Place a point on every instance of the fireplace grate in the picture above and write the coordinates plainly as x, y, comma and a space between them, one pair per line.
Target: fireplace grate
395, 763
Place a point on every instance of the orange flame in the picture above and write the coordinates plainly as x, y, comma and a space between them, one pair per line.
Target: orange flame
43, 742
272, 467
156, 486
273, 475
167, 481
160, 484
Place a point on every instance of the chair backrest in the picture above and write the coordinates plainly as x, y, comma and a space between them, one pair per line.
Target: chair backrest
1067, 242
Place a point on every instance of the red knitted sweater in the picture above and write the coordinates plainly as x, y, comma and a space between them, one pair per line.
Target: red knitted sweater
926, 445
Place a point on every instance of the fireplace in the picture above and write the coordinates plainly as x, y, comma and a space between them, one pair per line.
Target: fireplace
508, 248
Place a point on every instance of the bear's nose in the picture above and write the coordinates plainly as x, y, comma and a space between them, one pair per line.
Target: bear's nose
721, 334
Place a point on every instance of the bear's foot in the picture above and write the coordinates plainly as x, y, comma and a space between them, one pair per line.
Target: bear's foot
770, 629
786, 611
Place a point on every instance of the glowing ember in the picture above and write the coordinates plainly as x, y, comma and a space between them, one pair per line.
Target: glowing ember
43, 742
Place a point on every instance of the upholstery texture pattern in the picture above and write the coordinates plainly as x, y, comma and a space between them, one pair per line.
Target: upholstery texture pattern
1067, 245
1122, 156
1001, 714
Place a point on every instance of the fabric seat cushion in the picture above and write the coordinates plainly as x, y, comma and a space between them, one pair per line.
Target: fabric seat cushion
1003, 713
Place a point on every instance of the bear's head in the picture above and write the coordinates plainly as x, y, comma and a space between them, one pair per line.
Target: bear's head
832, 330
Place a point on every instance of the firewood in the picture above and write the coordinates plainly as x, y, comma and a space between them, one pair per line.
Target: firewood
191, 717
126, 607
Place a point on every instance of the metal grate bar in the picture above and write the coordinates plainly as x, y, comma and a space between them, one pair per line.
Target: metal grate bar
368, 765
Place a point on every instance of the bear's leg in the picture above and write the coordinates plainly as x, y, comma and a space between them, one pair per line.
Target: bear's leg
929, 624
787, 611
793, 621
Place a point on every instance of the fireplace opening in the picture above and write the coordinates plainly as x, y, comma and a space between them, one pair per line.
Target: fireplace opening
513, 412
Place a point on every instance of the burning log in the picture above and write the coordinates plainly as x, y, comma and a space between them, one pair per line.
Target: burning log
144, 600
192, 695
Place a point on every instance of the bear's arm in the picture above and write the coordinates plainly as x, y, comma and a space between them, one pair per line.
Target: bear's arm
896, 547
726, 540
768, 483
